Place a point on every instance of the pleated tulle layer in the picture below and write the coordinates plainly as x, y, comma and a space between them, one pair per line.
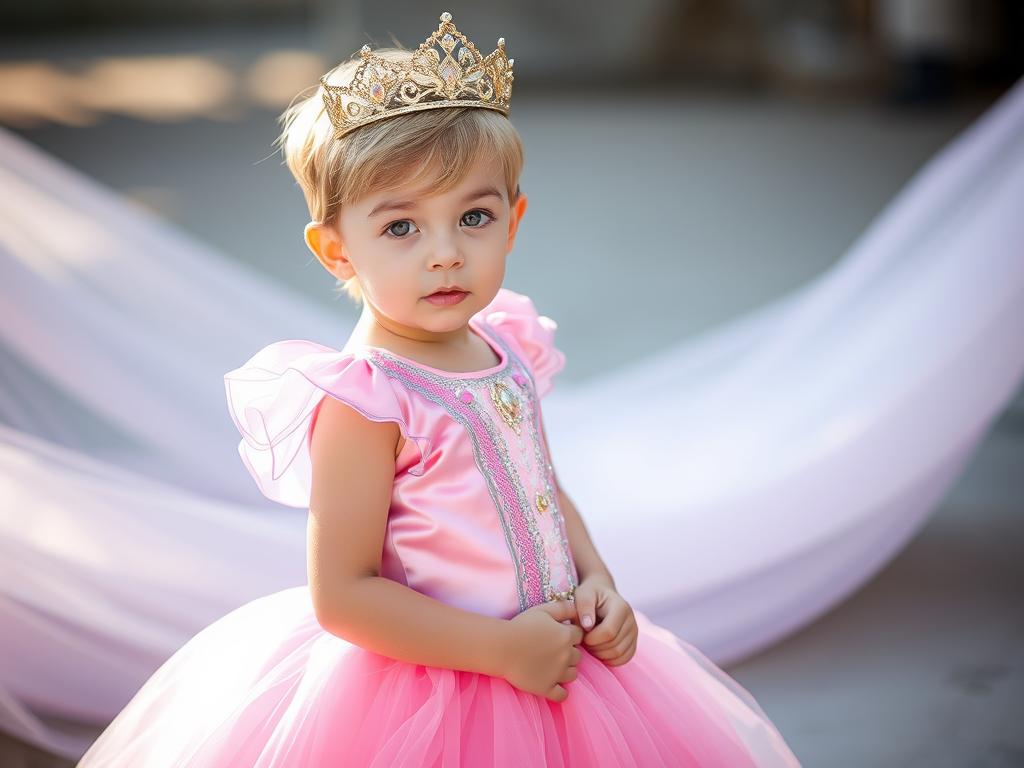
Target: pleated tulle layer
265, 685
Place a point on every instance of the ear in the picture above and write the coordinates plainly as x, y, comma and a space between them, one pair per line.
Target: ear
516, 215
326, 243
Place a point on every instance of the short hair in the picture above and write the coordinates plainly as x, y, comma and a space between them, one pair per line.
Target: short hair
444, 142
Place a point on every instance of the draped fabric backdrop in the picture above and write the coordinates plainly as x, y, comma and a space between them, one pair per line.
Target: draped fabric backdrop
774, 463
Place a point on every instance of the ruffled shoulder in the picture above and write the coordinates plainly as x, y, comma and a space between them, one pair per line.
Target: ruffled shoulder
273, 399
515, 317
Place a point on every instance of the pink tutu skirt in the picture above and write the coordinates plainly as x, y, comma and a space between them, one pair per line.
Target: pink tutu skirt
265, 685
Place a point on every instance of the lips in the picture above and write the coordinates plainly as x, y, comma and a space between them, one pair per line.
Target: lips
448, 292
447, 298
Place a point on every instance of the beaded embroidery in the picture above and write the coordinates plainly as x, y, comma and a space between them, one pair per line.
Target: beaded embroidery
535, 532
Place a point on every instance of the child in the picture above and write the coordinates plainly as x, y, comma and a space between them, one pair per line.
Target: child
457, 612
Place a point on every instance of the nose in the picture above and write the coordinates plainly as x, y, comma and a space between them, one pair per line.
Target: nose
445, 254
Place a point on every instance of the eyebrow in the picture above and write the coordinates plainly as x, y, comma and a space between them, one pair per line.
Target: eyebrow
404, 205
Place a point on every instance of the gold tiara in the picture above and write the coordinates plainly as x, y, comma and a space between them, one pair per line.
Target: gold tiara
445, 71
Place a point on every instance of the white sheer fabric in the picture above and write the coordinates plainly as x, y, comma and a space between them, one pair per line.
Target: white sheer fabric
773, 464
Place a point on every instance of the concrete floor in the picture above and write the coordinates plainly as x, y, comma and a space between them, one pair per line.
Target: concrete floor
726, 201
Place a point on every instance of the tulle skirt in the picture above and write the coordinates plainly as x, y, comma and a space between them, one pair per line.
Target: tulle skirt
265, 685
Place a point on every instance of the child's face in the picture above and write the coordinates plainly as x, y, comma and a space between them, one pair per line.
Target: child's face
406, 243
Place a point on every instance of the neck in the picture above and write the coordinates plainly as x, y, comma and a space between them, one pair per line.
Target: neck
375, 327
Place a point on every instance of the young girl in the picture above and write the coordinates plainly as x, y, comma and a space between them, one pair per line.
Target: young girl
457, 612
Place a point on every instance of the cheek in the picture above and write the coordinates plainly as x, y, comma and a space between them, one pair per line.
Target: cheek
394, 278
490, 266
490, 242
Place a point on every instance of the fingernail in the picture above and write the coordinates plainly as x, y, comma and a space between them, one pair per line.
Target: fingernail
587, 621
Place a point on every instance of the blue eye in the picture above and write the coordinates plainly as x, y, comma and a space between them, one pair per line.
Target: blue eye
476, 216
475, 219
390, 229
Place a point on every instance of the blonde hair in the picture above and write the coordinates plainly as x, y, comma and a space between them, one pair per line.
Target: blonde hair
334, 172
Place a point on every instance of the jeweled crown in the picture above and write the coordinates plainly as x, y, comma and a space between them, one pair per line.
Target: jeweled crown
446, 70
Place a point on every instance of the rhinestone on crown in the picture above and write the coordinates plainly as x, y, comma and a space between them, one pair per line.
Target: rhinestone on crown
446, 70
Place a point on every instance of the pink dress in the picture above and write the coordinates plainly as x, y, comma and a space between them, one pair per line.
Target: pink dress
473, 522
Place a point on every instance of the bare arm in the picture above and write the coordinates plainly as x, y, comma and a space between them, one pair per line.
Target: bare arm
353, 462
584, 553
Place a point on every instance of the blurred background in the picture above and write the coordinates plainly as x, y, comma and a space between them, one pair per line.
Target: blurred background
685, 162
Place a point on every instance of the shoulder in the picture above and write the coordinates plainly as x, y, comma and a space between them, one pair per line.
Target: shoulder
349, 454
516, 319
274, 399
337, 425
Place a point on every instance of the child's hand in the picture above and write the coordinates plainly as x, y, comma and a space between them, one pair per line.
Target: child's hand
613, 640
541, 649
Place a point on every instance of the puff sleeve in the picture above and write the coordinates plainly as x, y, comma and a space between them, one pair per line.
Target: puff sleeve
517, 319
272, 400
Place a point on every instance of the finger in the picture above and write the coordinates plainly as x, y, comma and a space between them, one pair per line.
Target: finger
627, 627
604, 635
622, 641
586, 608
611, 623
613, 649
558, 693
624, 656
624, 648
576, 634
607, 628
611, 655
561, 610
630, 650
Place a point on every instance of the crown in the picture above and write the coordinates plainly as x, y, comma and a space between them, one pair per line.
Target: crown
446, 70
